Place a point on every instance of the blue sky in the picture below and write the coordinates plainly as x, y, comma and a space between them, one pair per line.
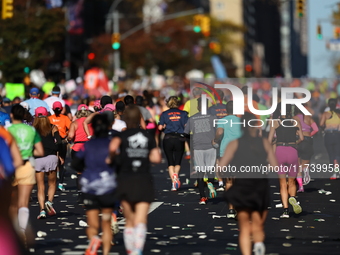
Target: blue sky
320, 58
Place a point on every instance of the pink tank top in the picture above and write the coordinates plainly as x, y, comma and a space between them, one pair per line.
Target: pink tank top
305, 127
80, 136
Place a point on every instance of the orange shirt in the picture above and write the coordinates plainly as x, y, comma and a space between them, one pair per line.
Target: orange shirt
6, 135
62, 122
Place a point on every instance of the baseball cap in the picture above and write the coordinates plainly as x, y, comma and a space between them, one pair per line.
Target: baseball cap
82, 107
109, 107
120, 106
97, 104
56, 105
41, 111
6, 100
34, 91
56, 90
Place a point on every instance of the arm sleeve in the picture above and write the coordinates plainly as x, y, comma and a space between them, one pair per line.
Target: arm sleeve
57, 137
315, 129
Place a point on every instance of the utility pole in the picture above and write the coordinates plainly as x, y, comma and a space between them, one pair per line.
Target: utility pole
116, 53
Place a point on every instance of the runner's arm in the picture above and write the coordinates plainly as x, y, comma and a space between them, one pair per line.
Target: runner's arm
38, 149
229, 153
71, 132
270, 152
155, 156
88, 121
15, 152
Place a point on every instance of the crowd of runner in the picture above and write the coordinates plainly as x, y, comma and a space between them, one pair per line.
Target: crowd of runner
114, 140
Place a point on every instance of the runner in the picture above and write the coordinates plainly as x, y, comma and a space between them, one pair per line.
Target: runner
135, 188
11, 143
48, 163
55, 97
76, 132
218, 110
98, 183
225, 133
34, 101
105, 104
63, 124
286, 153
305, 148
172, 123
29, 143
203, 132
330, 121
250, 193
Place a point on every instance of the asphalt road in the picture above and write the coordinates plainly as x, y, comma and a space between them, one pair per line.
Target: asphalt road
179, 225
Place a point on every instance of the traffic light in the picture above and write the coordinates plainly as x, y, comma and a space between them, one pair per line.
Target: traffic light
336, 33
91, 56
215, 47
205, 26
115, 41
7, 9
319, 32
197, 23
300, 8
248, 68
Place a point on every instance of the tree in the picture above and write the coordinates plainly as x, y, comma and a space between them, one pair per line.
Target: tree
32, 38
171, 44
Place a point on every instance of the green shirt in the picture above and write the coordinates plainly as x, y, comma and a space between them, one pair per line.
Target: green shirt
26, 137
231, 131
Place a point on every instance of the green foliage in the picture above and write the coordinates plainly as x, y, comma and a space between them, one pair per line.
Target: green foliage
31, 39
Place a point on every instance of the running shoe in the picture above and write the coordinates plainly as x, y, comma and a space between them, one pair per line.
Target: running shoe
285, 214
306, 177
220, 188
114, 224
300, 190
50, 209
231, 214
212, 191
296, 206
176, 181
61, 187
333, 177
203, 200
93, 246
259, 249
173, 188
120, 210
42, 215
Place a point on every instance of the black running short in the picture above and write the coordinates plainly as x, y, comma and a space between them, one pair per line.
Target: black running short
305, 148
98, 202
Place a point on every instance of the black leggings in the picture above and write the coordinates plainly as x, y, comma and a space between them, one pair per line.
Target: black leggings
62, 154
173, 149
201, 186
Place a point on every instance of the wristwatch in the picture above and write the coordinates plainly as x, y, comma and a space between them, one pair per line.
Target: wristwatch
89, 137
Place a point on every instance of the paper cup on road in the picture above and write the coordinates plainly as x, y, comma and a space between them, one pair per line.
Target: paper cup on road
41, 234
82, 223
